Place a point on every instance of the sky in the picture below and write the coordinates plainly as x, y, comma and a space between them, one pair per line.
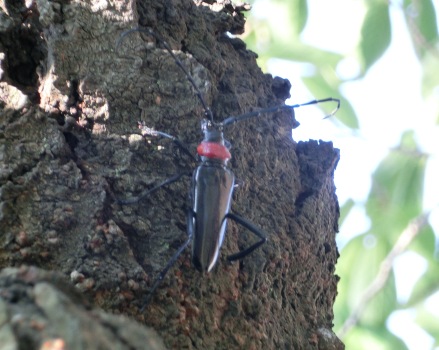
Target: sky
385, 109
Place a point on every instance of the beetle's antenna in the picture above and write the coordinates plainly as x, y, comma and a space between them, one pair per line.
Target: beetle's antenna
255, 114
147, 131
149, 31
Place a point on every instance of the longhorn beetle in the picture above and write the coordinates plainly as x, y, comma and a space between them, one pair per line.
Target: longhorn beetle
210, 195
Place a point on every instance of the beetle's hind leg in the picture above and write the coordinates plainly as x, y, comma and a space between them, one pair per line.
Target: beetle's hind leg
252, 228
189, 219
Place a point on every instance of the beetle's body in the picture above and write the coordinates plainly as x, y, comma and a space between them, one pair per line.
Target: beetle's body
211, 197
212, 192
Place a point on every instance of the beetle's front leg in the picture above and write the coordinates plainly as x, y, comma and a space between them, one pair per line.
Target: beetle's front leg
146, 193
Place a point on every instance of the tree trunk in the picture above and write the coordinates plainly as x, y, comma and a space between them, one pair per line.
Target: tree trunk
69, 149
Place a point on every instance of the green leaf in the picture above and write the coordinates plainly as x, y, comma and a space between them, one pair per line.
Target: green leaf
397, 187
424, 288
376, 338
430, 73
298, 14
345, 210
375, 33
421, 21
358, 266
293, 50
427, 285
291, 17
281, 38
424, 243
428, 321
321, 88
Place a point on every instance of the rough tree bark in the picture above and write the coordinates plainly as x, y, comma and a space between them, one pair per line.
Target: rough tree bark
68, 149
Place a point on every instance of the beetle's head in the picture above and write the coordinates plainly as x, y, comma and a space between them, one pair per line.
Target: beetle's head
212, 132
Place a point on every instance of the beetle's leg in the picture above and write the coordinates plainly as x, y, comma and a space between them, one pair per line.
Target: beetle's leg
251, 227
146, 193
189, 219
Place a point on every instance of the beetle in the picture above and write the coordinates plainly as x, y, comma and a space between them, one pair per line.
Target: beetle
212, 184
